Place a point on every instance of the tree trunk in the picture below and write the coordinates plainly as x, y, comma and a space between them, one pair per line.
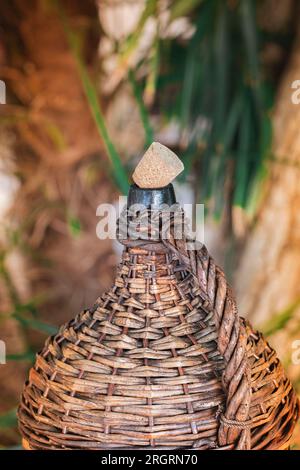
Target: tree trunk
267, 280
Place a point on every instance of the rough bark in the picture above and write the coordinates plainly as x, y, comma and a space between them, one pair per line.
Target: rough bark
267, 279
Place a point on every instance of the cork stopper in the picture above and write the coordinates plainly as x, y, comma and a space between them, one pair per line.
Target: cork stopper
157, 168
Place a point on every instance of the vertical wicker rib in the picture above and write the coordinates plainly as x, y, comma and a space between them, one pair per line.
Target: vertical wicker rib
161, 361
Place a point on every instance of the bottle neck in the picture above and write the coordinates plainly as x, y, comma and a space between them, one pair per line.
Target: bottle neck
151, 197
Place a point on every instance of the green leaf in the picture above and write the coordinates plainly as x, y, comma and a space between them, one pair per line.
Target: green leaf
197, 71
266, 136
242, 168
230, 131
132, 42
188, 157
151, 80
188, 88
232, 121
74, 225
27, 307
26, 356
261, 169
249, 29
5, 275
280, 319
142, 109
9, 419
119, 173
221, 67
183, 7
222, 59
56, 135
35, 324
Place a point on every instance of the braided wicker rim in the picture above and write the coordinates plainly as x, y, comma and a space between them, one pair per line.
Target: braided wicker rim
162, 360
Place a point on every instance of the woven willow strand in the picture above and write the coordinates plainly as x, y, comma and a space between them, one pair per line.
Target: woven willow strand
162, 360
232, 338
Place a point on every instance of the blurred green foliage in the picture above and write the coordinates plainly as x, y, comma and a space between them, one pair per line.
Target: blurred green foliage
211, 84
214, 86
118, 172
280, 319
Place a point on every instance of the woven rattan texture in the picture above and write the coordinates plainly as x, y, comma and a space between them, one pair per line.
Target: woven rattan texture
161, 361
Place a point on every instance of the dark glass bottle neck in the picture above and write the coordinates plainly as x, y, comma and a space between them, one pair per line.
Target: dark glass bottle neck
153, 198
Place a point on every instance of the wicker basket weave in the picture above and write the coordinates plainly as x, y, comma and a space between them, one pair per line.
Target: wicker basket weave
162, 360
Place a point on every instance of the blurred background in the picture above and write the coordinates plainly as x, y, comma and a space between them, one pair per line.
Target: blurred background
89, 85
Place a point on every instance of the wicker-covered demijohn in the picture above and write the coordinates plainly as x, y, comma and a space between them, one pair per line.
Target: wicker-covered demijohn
161, 361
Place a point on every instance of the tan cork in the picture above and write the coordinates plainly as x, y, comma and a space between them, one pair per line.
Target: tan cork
157, 168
